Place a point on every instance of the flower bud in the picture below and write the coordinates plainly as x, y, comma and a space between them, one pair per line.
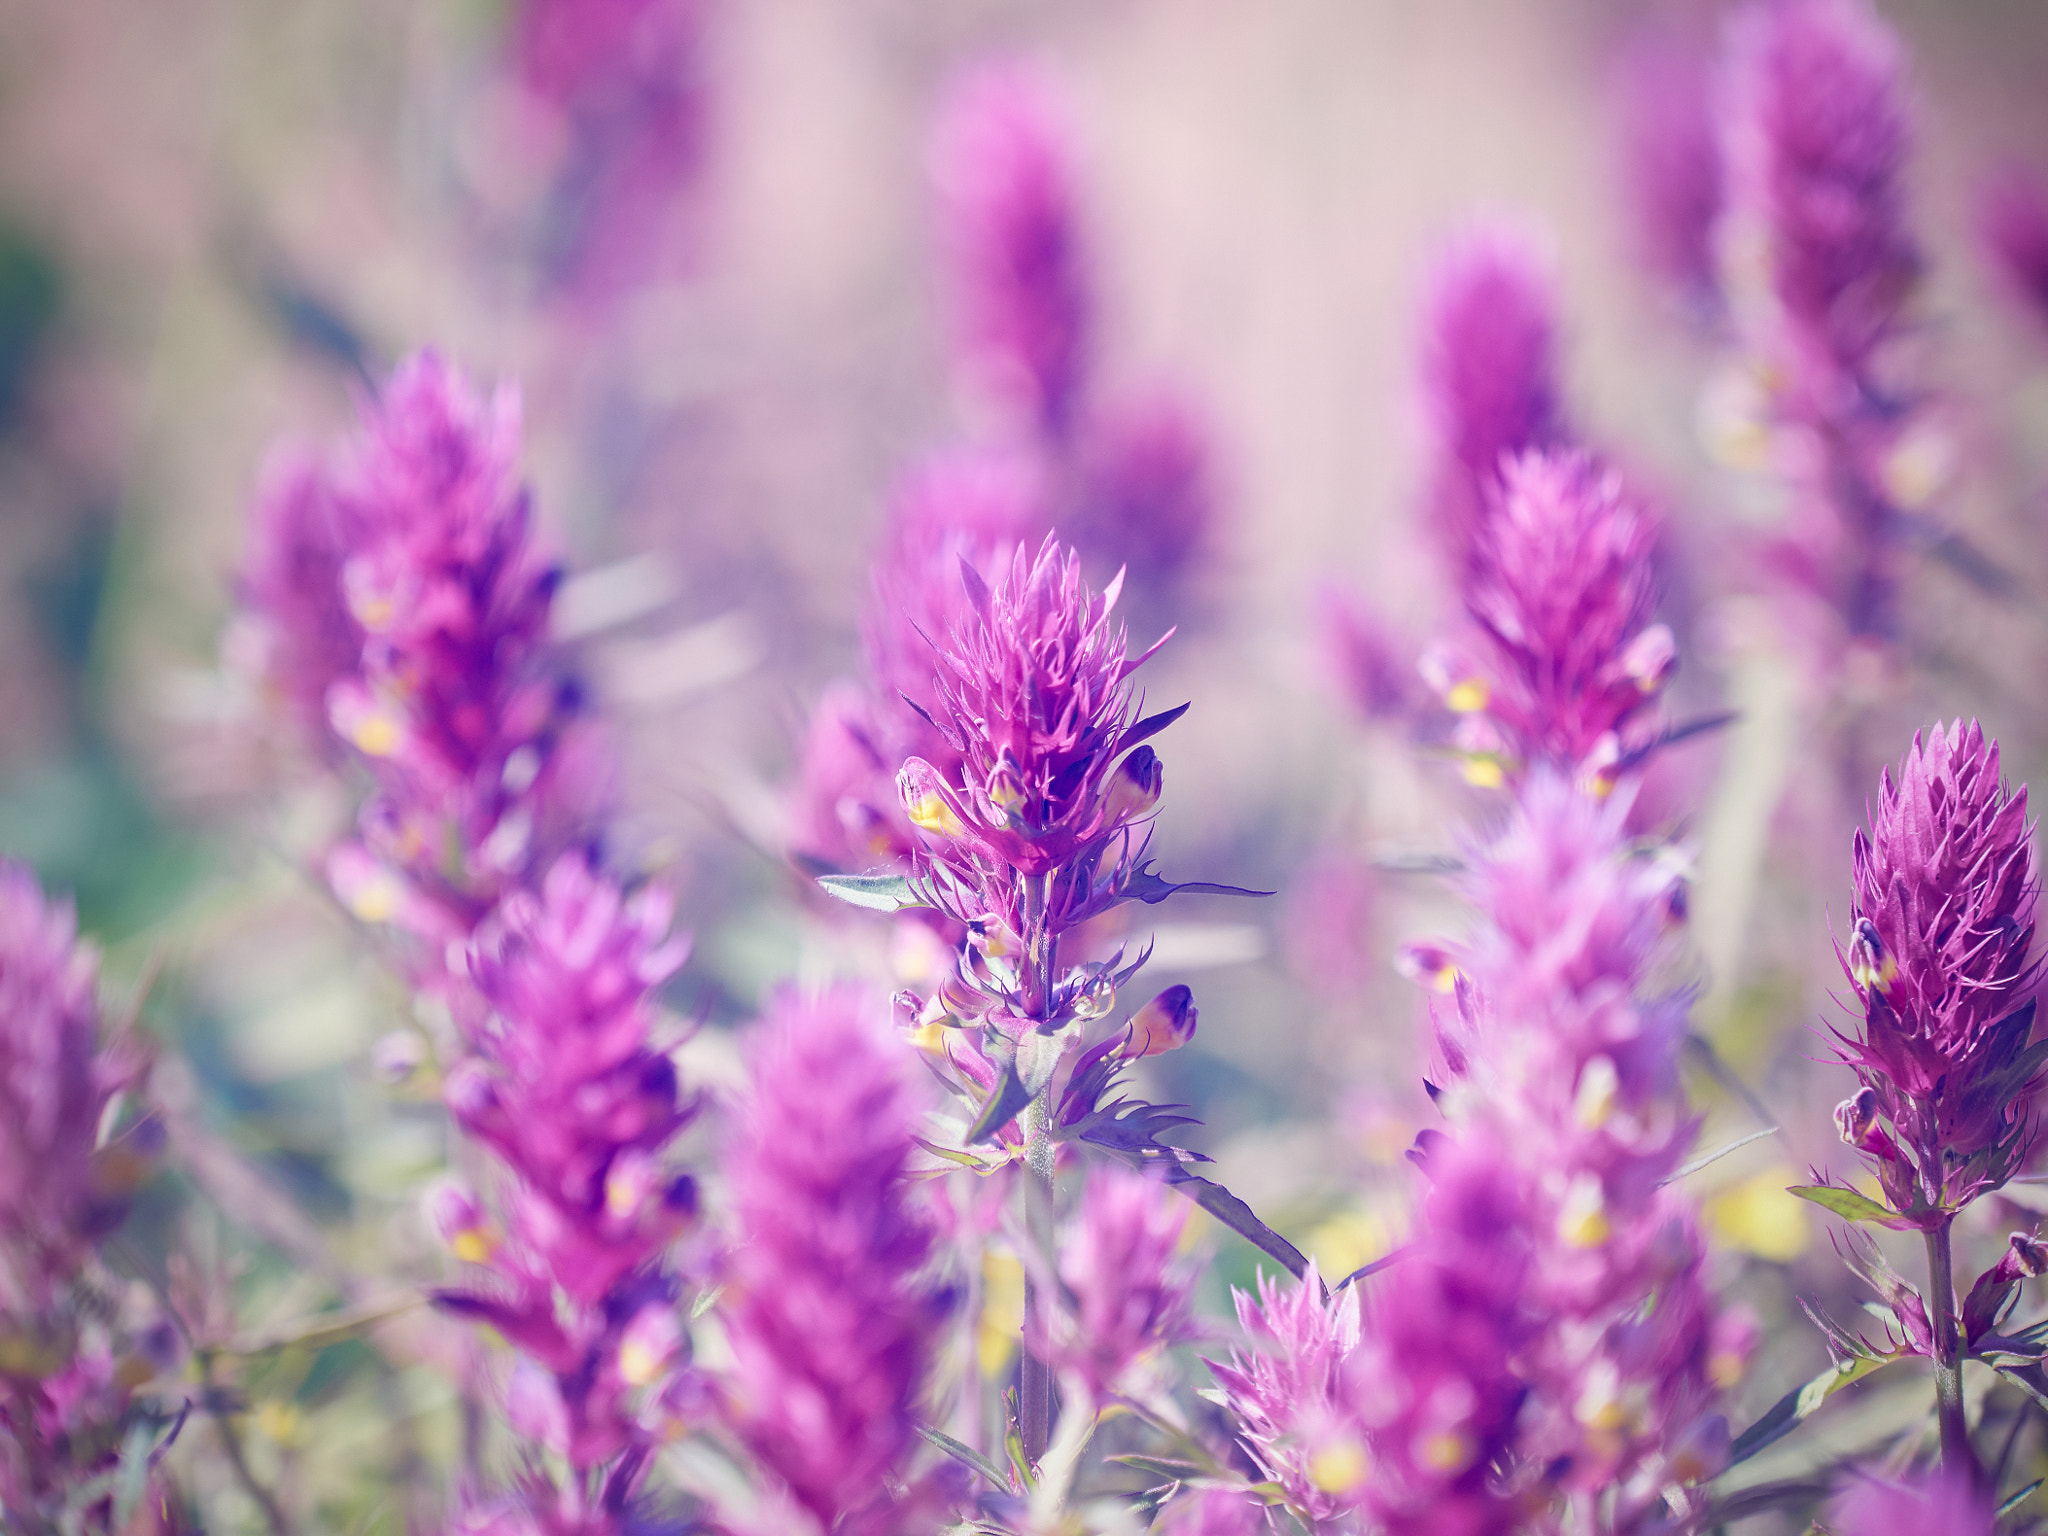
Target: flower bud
1164, 1024
1134, 786
924, 801
1855, 1116
1870, 966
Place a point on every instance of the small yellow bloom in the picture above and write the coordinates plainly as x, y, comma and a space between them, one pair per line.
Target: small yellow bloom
931, 812
1446, 1451
1468, 697
473, 1245
1484, 771
1340, 1467
1582, 1219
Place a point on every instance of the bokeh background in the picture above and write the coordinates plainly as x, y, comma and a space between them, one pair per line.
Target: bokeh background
219, 218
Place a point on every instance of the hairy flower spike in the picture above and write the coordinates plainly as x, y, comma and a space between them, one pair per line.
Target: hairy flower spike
1562, 584
830, 1315
1129, 1286
565, 1083
1490, 373
1004, 175
1946, 891
1291, 1392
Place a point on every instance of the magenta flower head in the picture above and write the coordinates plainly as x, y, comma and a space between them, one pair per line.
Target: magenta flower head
829, 1309
304, 639
1942, 1502
1946, 891
55, 1085
1562, 584
1432, 1381
622, 82
566, 1084
1489, 372
973, 507
1817, 142
1126, 1283
1034, 694
2014, 226
1291, 1391
1673, 160
459, 706
1003, 168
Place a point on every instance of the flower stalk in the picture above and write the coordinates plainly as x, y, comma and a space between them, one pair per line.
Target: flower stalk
1957, 1457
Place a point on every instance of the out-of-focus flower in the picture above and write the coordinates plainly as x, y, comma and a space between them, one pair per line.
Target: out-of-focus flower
1291, 1388
1943, 1502
1552, 1048
1433, 1382
67, 1368
1489, 373
1938, 956
1126, 1282
463, 713
1673, 160
828, 1308
1004, 172
1147, 492
566, 1085
1821, 269
2014, 222
622, 84
305, 640
971, 507
1562, 584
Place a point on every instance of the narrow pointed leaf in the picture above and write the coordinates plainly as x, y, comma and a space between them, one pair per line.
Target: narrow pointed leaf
967, 1456
1151, 725
1850, 1206
1795, 1407
1148, 887
1367, 1271
1720, 1152
878, 893
1236, 1215
2019, 1498
1005, 1102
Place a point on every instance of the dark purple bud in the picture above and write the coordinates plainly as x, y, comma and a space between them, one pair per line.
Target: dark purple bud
1855, 1117
1164, 1024
1134, 786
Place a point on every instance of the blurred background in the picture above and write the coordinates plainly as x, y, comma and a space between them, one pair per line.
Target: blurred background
724, 305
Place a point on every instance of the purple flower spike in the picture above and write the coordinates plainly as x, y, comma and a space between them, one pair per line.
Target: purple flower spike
2015, 231
1128, 1285
1818, 139
1035, 696
1003, 167
1432, 1380
1291, 1391
1937, 954
1562, 583
565, 1083
1943, 1502
54, 1085
1673, 161
830, 1316
305, 639
622, 81
1490, 373
459, 707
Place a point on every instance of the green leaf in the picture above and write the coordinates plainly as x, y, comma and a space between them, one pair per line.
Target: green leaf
967, 1456
1160, 1467
2019, 1498
1720, 1152
1795, 1407
1004, 1103
1236, 1215
1850, 1206
1013, 1444
964, 1159
706, 1300
878, 893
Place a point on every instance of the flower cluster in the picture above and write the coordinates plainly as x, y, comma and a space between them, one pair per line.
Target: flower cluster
967, 508
1673, 162
1125, 1284
1821, 269
828, 1304
1489, 375
566, 1084
1550, 1045
1129, 481
619, 86
1291, 1391
1562, 586
1938, 959
68, 1370
454, 700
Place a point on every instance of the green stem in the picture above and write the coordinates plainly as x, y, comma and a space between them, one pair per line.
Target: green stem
1035, 1410
1956, 1453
